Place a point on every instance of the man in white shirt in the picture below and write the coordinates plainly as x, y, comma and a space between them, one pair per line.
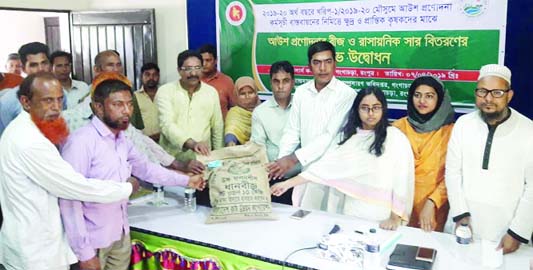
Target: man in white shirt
33, 175
319, 108
74, 90
269, 118
489, 165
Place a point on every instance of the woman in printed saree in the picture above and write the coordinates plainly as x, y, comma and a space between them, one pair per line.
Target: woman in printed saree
238, 125
372, 166
428, 126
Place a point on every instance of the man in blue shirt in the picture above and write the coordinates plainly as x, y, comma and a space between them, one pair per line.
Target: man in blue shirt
35, 58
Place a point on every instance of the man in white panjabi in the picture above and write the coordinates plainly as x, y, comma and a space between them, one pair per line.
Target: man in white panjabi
489, 165
32, 177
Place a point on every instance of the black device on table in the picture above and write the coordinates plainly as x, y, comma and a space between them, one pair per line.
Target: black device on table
406, 257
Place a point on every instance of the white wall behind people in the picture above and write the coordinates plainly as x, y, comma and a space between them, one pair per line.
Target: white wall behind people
19, 28
171, 29
49, 4
170, 16
25, 26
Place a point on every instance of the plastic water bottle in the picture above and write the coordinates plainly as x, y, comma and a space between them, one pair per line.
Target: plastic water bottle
190, 200
463, 234
372, 258
158, 196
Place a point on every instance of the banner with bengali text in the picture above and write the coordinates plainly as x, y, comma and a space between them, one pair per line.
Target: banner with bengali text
378, 42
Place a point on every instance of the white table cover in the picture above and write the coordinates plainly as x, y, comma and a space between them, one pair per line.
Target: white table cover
276, 239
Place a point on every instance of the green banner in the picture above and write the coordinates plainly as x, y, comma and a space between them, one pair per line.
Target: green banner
377, 44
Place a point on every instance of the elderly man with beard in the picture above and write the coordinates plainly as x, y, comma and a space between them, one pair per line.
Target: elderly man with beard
145, 96
489, 165
100, 150
34, 58
33, 175
110, 61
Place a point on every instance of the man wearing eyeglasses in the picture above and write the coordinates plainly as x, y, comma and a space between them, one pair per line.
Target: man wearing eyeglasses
189, 112
489, 165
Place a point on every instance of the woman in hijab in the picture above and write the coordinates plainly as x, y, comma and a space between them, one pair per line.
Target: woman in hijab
428, 126
238, 125
371, 170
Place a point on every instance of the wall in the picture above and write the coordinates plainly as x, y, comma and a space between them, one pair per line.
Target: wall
33, 23
170, 16
34, 31
202, 23
47, 4
171, 29
64, 27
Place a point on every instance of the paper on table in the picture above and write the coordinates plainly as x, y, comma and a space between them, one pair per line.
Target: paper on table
490, 256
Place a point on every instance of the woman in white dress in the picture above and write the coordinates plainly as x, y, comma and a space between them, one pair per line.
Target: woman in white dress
372, 167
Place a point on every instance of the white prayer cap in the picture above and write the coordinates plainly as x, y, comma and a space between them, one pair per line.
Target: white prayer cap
500, 71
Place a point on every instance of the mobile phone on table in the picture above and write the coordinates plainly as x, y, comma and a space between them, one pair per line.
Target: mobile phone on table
426, 254
300, 214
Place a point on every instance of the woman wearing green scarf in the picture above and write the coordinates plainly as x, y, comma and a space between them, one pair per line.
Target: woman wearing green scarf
428, 127
238, 125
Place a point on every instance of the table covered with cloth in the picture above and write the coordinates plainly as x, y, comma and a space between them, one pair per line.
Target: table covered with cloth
168, 237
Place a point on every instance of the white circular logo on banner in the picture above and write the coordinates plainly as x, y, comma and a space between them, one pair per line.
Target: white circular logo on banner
474, 7
235, 13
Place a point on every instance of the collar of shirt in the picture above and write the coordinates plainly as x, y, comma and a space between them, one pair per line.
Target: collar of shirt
330, 87
180, 88
142, 91
85, 108
274, 104
73, 85
104, 130
214, 77
501, 121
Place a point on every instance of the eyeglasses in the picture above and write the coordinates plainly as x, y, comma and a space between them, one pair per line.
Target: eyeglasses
189, 69
374, 109
497, 93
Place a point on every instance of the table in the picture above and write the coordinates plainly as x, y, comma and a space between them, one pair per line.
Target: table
265, 244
